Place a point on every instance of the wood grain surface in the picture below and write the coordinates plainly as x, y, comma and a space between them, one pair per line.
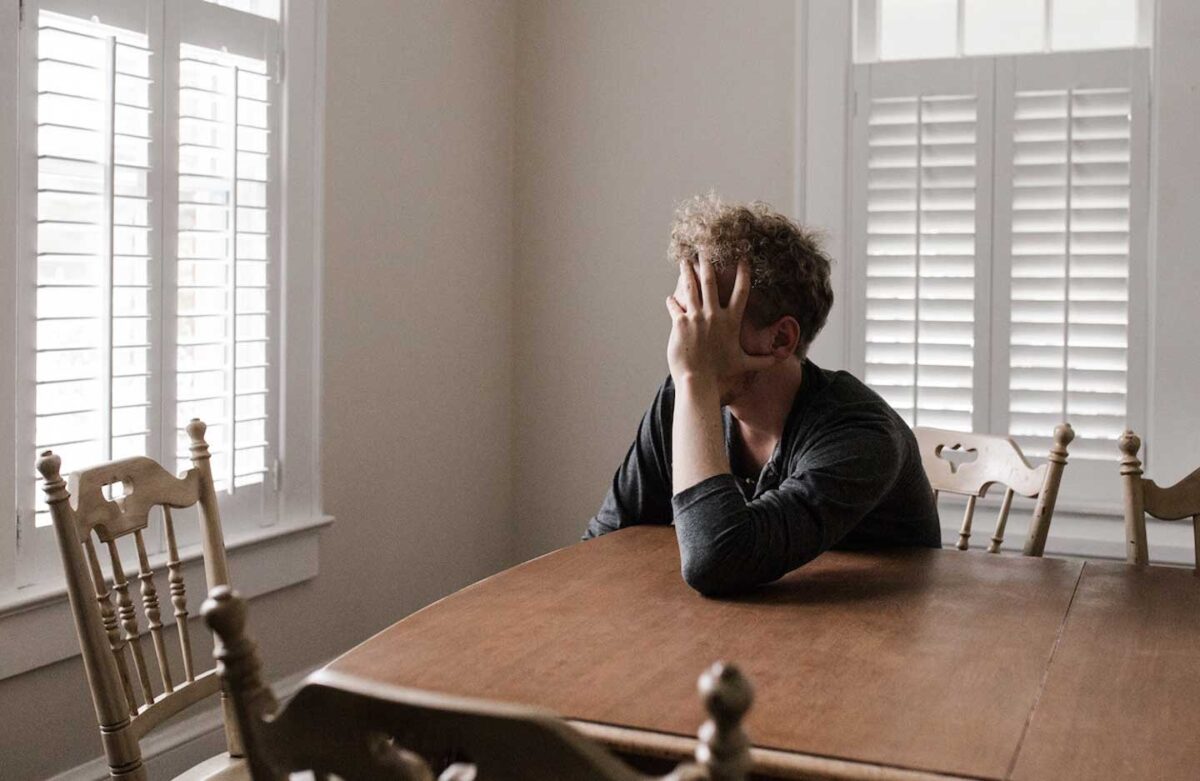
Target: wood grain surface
1122, 697
922, 659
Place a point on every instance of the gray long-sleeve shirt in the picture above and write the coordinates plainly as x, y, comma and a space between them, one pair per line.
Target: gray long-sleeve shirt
846, 473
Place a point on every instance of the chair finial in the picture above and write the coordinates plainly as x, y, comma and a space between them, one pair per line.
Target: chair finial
1063, 434
1129, 443
196, 429
724, 747
225, 613
49, 465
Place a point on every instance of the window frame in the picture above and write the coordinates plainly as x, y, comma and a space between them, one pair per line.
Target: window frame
823, 84
1087, 484
30, 575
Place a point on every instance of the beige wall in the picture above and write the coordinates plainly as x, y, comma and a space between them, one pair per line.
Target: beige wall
624, 108
417, 339
418, 277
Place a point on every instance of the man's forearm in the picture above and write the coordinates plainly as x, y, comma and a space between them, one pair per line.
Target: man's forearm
698, 435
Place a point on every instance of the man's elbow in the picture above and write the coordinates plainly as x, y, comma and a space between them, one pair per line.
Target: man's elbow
714, 565
710, 577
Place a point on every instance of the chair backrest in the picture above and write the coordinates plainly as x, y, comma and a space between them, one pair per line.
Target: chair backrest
355, 729
969, 464
127, 703
1143, 495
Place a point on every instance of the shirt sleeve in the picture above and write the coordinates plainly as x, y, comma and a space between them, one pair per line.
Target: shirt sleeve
640, 492
727, 544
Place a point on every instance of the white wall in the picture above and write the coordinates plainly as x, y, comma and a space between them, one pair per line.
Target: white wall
417, 338
624, 108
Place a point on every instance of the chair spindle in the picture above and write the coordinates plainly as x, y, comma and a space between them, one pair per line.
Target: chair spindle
178, 595
153, 614
1001, 522
964, 534
108, 615
129, 621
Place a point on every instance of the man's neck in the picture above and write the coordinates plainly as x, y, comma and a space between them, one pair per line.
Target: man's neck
762, 409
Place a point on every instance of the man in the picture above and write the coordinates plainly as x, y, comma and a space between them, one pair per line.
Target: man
761, 459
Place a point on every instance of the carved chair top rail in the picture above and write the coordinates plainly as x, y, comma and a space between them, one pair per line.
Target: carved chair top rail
1174, 503
488, 731
147, 485
991, 459
1170, 503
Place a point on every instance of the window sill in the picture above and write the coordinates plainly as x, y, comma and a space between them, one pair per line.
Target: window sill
36, 628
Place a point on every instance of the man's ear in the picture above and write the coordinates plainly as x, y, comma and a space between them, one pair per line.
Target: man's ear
785, 337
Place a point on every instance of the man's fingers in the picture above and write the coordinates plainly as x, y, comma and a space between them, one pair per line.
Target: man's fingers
741, 289
674, 308
687, 293
708, 285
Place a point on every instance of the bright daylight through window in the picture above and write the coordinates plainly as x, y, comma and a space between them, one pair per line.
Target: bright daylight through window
149, 215
999, 216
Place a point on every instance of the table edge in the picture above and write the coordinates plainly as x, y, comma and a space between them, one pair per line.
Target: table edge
774, 762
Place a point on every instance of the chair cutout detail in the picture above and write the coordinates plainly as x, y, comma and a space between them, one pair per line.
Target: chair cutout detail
969, 464
119, 673
342, 725
1143, 495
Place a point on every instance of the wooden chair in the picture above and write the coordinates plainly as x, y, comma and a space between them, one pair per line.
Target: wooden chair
946, 456
341, 725
1143, 495
127, 705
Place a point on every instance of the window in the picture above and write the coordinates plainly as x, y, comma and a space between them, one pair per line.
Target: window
150, 233
889, 30
999, 227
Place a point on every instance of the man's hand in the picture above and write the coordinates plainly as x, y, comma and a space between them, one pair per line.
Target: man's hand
705, 345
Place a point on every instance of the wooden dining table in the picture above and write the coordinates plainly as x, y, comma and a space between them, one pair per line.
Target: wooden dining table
904, 664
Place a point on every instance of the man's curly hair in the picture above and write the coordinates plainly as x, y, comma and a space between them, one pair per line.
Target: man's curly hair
789, 269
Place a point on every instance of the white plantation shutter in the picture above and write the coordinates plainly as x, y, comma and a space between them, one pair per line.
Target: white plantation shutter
1070, 262
149, 238
921, 222
1013, 319
87, 315
222, 362
224, 184
1071, 212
